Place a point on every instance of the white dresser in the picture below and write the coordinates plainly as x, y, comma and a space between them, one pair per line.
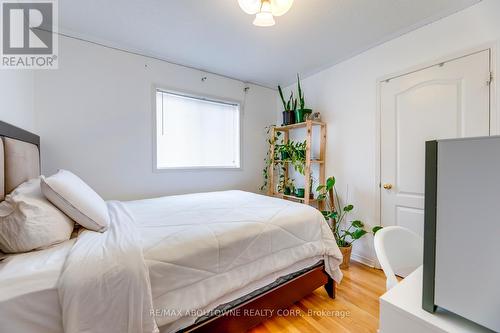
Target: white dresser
401, 311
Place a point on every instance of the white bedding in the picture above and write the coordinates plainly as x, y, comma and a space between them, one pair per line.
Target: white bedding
200, 247
104, 286
28, 290
201, 250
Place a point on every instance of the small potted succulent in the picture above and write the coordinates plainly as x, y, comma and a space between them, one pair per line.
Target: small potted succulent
289, 187
301, 113
345, 232
289, 108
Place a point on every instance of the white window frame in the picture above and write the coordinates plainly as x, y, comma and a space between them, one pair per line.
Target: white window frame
156, 169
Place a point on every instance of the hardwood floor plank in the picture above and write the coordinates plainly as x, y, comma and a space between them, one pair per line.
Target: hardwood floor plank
354, 310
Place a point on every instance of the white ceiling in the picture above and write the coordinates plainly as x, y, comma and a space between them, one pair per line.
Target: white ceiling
218, 37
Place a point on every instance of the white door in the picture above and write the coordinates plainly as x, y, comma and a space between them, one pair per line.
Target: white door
449, 100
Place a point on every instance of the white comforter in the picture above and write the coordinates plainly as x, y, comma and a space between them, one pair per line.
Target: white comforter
163, 259
104, 286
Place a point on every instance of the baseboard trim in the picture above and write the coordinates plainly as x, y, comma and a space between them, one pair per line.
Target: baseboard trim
365, 260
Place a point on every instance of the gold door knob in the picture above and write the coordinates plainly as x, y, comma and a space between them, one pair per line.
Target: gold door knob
387, 186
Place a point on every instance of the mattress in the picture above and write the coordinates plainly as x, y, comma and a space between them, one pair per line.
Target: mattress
236, 302
237, 296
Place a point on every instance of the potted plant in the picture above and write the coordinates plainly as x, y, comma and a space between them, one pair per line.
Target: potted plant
300, 192
289, 108
294, 153
301, 113
345, 232
285, 151
297, 152
289, 187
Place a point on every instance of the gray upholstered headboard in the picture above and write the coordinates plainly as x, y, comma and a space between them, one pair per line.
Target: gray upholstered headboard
19, 157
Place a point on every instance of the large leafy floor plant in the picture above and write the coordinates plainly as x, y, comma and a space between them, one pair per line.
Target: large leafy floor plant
345, 232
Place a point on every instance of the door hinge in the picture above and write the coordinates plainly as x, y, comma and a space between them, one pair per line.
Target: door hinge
490, 80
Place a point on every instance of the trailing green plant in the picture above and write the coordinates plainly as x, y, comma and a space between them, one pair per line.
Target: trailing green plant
301, 98
268, 160
281, 168
283, 151
296, 154
296, 157
345, 232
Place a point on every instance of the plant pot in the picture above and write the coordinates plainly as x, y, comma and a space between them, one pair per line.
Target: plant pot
288, 117
346, 253
301, 115
300, 192
285, 156
287, 191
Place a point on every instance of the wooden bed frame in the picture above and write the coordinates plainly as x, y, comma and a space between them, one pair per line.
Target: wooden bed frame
261, 307
250, 313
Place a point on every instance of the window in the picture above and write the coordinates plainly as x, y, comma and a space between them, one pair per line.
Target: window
194, 132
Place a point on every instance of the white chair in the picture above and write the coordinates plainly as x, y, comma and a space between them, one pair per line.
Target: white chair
399, 251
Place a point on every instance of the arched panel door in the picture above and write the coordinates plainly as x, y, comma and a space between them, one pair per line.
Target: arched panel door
450, 100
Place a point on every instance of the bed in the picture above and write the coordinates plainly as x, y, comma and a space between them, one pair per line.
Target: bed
210, 258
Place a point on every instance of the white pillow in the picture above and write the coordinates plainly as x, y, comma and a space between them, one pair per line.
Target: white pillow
28, 221
71, 195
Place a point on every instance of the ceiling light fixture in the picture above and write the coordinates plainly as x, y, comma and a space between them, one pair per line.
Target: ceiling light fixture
265, 10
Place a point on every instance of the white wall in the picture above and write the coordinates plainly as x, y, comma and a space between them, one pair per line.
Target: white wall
16, 98
346, 96
95, 117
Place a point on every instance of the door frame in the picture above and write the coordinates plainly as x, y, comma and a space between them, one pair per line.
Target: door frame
493, 47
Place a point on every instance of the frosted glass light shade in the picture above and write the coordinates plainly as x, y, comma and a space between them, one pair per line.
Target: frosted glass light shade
250, 6
280, 7
265, 10
264, 19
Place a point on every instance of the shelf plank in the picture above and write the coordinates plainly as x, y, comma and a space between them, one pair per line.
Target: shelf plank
299, 125
285, 161
292, 197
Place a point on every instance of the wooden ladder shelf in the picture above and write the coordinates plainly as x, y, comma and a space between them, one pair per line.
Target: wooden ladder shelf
321, 161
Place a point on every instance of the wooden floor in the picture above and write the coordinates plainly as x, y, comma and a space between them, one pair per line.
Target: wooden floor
355, 308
